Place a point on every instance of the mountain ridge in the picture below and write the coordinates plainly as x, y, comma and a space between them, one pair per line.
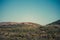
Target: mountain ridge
10, 24
55, 23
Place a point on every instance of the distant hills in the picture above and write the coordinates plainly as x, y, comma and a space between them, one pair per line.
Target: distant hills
27, 23
55, 23
29, 31
15, 24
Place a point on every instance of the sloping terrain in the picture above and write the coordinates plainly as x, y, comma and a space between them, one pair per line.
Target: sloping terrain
55, 23
54, 29
19, 31
29, 31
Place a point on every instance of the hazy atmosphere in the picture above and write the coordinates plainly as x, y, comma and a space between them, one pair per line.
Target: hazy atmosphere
37, 11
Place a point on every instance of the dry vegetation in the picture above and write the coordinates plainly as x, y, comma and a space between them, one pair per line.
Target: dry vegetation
28, 32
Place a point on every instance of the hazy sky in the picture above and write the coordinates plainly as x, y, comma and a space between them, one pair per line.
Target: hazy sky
37, 11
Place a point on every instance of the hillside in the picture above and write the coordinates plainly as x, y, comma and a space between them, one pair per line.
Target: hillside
16, 24
29, 31
18, 31
54, 29
55, 23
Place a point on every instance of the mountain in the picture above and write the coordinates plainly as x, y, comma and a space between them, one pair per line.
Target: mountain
55, 23
7, 23
54, 29
29, 31
16, 24
20, 31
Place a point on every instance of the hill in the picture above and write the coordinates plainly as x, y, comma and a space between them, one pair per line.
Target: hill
55, 23
29, 31
19, 31
54, 29
16, 24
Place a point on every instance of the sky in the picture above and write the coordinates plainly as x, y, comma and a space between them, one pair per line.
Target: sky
36, 11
